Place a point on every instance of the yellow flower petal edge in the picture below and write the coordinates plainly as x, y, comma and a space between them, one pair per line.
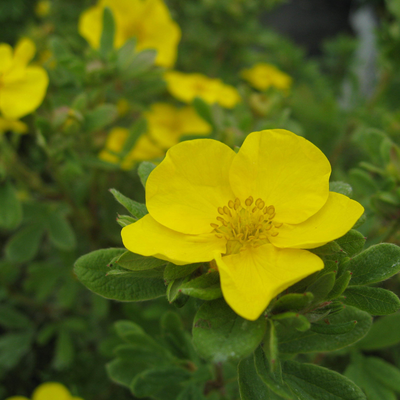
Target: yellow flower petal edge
51, 391
255, 213
251, 279
17, 398
169, 245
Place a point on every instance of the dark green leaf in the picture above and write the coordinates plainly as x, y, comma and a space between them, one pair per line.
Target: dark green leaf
138, 210
100, 117
173, 271
351, 243
309, 382
205, 287
11, 209
12, 318
60, 232
293, 320
136, 262
333, 329
13, 347
219, 334
340, 286
375, 301
123, 371
91, 269
292, 302
144, 171
191, 392
322, 286
135, 132
204, 110
375, 264
341, 187
107, 36
64, 351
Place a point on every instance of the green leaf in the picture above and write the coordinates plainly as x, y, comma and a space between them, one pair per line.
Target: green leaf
13, 347
174, 292
385, 332
24, 244
91, 269
384, 372
144, 170
306, 342
293, 302
13, 319
205, 287
138, 210
322, 286
136, 262
191, 392
135, 132
352, 242
219, 334
309, 382
271, 344
375, 301
108, 33
152, 381
333, 329
148, 273
11, 209
377, 263
100, 117
60, 232
204, 110
251, 387
173, 271
64, 351
140, 63
293, 320
340, 285
341, 187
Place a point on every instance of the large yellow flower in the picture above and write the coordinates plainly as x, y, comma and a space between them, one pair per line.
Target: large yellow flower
148, 21
49, 391
22, 87
262, 76
186, 87
253, 212
12, 125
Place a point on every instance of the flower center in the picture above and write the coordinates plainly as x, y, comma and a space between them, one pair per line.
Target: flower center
245, 225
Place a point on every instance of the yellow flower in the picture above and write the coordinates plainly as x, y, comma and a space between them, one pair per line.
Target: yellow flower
167, 124
262, 76
22, 87
148, 21
186, 87
143, 150
254, 213
49, 391
42, 8
12, 125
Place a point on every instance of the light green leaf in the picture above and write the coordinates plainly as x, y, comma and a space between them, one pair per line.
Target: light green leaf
173, 271
219, 334
204, 110
375, 301
136, 262
144, 171
341, 187
91, 269
340, 286
11, 209
351, 243
107, 36
100, 117
205, 287
387, 374
138, 210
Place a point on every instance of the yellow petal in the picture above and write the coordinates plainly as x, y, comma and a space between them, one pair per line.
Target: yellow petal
284, 170
17, 398
90, 25
185, 190
253, 277
21, 97
333, 220
12, 125
228, 96
6, 55
149, 238
51, 391
24, 52
192, 123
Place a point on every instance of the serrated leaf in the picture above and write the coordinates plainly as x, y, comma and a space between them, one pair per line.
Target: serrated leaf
375, 301
11, 209
377, 263
292, 302
136, 262
309, 341
138, 210
385, 332
91, 269
205, 287
144, 171
351, 243
60, 232
309, 382
219, 334
173, 271
341, 187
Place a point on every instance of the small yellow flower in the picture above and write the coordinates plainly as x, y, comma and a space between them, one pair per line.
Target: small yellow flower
186, 87
12, 125
122, 107
42, 8
49, 391
148, 21
22, 87
254, 213
144, 149
167, 124
262, 76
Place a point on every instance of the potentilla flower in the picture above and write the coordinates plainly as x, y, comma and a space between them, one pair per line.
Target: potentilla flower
49, 391
22, 87
255, 213
148, 21
12, 125
262, 76
186, 87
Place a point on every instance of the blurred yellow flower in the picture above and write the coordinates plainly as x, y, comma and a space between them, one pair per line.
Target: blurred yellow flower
22, 87
42, 8
148, 21
167, 124
255, 212
122, 107
143, 150
12, 125
262, 76
186, 87
49, 391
